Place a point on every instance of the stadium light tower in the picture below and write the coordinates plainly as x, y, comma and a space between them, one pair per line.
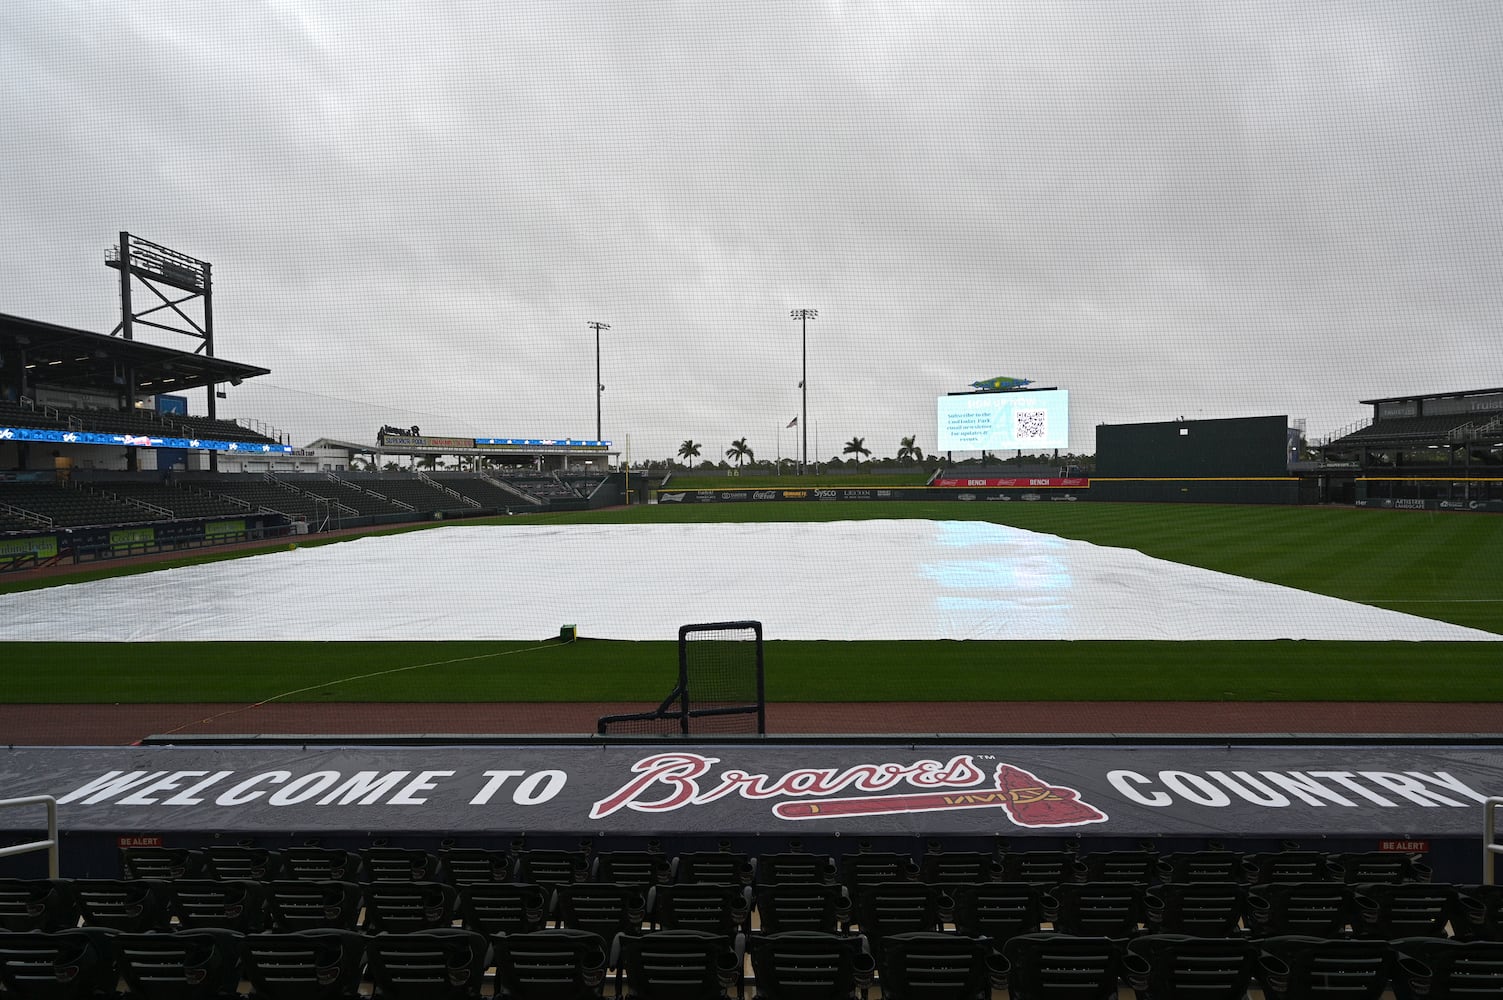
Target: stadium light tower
804, 316
599, 388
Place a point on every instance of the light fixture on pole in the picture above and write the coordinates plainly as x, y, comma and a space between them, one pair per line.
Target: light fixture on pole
804, 316
597, 327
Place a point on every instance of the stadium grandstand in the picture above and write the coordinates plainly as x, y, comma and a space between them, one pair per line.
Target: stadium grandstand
1434, 451
99, 456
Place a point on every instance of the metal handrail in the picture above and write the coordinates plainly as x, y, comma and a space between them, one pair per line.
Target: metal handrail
50, 844
1490, 845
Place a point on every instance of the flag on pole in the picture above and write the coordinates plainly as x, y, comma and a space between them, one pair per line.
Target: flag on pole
793, 422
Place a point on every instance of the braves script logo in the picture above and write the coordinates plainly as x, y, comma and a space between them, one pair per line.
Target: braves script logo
669, 781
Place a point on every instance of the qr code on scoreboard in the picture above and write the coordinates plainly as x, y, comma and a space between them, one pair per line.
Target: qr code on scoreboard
1031, 425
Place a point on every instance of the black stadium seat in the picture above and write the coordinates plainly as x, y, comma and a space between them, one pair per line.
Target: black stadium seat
555, 964
1431, 968
799, 965
298, 905
1099, 909
882, 911
1200, 866
700, 906
403, 907
503, 907
399, 864
1321, 909
1408, 909
233, 904
73, 964
1183, 967
551, 868
726, 867
641, 868
185, 965
463, 866
38, 904
134, 905
603, 908
796, 906
998, 910
305, 965
922, 964
960, 867
809, 869
446, 964
1204, 909
160, 862
1048, 965
1039, 867
1299, 967
255, 863
322, 864
673, 965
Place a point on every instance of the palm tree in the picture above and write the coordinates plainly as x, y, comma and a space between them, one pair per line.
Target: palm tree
739, 451
856, 446
688, 450
428, 462
909, 450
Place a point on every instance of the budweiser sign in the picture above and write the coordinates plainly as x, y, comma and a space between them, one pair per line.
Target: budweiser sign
667, 782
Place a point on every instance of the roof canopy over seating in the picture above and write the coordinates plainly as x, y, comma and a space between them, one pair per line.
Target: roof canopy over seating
61, 356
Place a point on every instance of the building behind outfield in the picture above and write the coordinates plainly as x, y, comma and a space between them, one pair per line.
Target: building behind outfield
1437, 451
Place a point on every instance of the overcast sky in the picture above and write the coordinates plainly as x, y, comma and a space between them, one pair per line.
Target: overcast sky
1199, 208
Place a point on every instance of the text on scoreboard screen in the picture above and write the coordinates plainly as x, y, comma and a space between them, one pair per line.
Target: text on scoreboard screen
994, 421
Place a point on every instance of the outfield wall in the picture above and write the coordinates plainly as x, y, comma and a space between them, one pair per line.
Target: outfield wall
1242, 447
1280, 490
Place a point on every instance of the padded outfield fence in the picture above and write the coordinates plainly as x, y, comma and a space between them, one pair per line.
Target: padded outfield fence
720, 686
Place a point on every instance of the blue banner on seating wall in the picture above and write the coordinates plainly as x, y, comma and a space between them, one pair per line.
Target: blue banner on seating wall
1383, 792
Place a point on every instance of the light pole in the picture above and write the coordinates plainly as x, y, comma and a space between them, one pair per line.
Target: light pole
804, 316
597, 327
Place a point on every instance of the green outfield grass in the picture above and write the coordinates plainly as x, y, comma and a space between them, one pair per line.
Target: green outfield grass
1435, 565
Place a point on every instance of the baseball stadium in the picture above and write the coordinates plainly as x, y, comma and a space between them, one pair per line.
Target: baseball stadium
1217, 718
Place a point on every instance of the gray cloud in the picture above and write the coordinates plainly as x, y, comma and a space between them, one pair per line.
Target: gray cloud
1178, 207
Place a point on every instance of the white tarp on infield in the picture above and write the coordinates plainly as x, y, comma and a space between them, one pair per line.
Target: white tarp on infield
848, 580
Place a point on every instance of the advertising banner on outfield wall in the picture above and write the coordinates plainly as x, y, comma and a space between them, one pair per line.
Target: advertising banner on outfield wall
854, 493
1472, 506
1138, 791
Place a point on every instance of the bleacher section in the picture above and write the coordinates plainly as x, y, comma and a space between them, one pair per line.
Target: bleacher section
224, 430
358, 498
872, 922
488, 490
262, 493
1404, 428
139, 422
178, 501
71, 507
74, 521
19, 415
538, 484
419, 493
10, 521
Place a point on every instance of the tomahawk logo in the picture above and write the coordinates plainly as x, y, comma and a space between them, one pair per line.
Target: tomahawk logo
1027, 799
668, 782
